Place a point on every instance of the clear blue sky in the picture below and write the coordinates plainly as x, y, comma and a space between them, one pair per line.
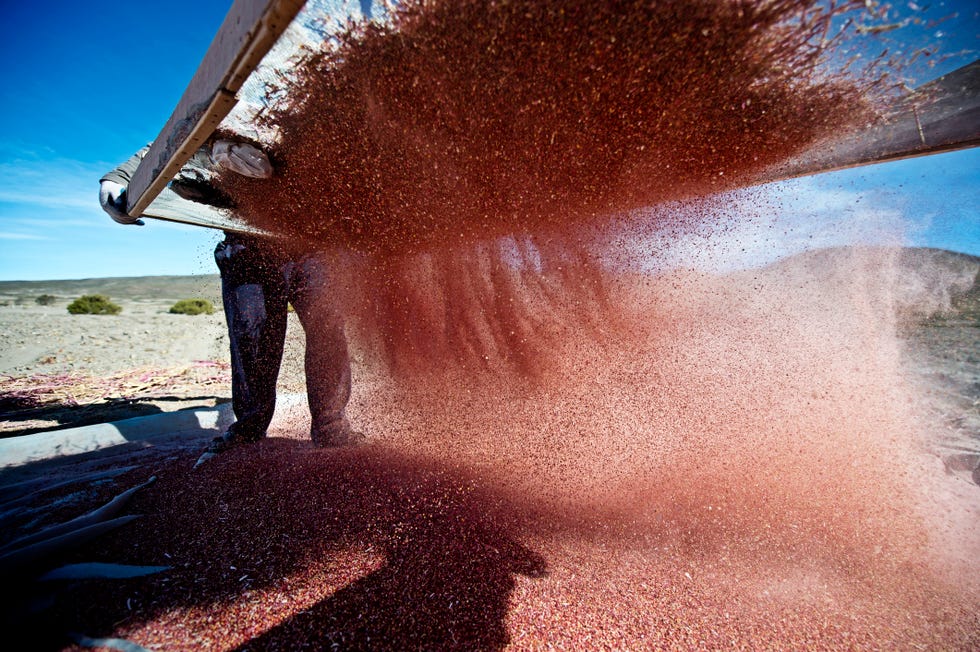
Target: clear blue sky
85, 85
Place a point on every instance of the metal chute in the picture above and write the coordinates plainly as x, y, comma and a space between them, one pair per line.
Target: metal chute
262, 40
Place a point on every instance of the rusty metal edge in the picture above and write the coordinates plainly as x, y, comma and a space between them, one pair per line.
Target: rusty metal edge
940, 116
249, 31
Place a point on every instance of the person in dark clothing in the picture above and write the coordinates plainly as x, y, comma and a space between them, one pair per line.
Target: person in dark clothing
258, 281
260, 277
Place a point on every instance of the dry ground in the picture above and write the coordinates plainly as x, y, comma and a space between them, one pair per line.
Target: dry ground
60, 370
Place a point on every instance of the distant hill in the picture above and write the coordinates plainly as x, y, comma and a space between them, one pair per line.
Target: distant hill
965, 297
922, 282
926, 282
135, 288
948, 273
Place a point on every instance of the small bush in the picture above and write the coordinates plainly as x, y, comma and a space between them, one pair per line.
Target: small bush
93, 304
192, 307
46, 300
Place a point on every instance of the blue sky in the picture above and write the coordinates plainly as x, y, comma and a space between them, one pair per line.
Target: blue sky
85, 85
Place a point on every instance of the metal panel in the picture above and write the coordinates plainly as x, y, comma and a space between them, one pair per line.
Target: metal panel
171, 207
249, 30
940, 116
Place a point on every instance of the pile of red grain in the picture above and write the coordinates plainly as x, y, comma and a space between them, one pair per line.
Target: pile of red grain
466, 154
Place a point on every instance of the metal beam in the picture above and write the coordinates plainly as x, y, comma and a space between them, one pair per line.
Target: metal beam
940, 116
249, 30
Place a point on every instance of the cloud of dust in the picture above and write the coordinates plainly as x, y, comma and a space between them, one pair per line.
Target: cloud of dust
763, 413
466, 177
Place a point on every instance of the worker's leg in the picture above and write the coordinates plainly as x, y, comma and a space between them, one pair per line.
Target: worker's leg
254, 293
328, 378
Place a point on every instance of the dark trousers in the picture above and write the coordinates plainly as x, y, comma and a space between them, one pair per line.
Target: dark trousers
257, 284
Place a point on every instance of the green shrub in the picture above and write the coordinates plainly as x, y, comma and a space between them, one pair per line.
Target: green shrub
93, 304
192, 307
46, 300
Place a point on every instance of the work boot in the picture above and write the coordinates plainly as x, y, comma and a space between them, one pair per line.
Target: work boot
343, 435
227, 440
